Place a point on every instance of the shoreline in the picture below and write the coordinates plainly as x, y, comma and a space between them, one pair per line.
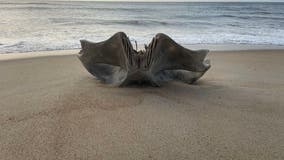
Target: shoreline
35, 54
212, 48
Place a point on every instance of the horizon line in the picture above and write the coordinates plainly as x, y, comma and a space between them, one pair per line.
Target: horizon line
176, 0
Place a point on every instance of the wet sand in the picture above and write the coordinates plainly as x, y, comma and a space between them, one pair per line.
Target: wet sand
51, 108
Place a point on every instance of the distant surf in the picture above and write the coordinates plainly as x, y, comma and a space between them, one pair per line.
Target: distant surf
60, 25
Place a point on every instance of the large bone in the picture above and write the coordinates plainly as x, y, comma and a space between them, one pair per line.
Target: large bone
114, 61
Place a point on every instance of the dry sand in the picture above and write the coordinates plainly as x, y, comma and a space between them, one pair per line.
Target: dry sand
51, 108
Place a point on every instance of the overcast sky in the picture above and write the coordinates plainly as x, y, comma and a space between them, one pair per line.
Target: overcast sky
155, 0
191, 0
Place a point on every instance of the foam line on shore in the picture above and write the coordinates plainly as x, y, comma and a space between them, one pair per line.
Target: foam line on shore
12, 56
212, 48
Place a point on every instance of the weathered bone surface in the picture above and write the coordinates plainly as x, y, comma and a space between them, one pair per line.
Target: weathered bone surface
114, 61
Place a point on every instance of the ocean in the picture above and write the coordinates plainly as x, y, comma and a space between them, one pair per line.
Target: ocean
58, 25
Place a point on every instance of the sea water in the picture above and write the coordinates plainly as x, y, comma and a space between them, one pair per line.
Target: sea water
56, 25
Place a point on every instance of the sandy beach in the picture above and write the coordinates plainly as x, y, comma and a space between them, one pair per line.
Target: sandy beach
51, 108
